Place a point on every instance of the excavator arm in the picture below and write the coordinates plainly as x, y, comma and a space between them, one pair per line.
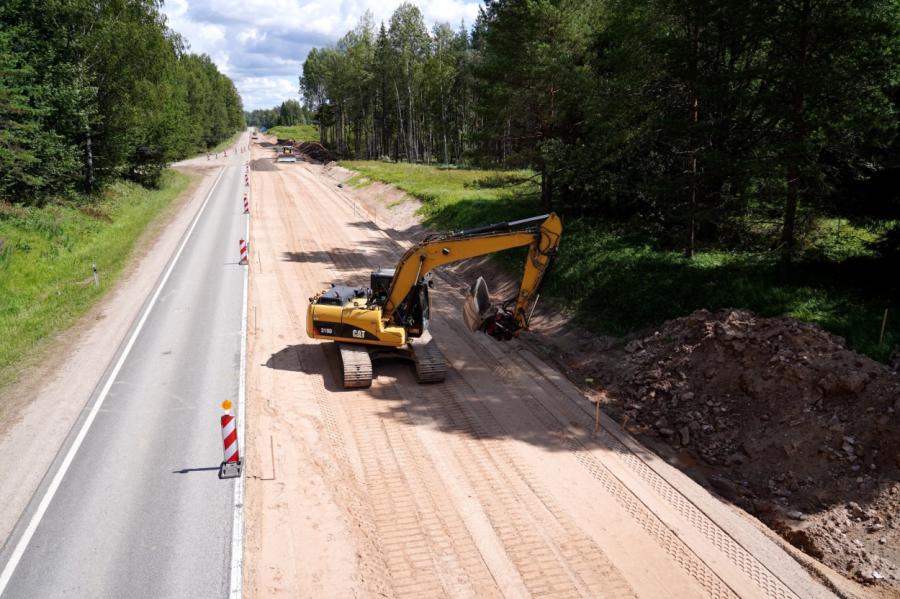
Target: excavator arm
540, 234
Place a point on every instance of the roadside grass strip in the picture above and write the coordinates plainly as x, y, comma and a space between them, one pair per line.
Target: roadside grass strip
47, 254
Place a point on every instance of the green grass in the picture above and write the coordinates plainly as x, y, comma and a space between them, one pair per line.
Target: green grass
616, 283
448, 190
46, 280
225, 144
296, 132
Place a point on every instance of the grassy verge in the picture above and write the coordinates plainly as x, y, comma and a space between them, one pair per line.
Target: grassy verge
296, 132
224, 145
616, 284
46, 255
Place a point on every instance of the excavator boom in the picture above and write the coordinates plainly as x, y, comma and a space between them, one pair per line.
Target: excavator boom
541, 234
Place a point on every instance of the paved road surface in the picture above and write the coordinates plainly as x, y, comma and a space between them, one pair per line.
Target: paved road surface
140, 511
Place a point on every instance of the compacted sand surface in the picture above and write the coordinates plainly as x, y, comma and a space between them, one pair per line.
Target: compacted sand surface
498, 482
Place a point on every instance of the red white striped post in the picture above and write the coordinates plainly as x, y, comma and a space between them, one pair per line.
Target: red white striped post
244, 252
232, 464
246, 204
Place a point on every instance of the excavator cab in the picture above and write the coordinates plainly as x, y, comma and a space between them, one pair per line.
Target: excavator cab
380, 283
414, 311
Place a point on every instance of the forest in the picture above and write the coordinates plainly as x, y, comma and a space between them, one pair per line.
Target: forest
287, 114
728, 124
94, 92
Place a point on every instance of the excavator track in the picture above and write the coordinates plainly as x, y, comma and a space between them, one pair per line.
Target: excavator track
431, 366
356, 366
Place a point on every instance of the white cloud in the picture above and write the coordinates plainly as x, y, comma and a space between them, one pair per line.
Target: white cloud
261, 44
250, 34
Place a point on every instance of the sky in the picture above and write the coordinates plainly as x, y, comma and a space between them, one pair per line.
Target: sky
261, 44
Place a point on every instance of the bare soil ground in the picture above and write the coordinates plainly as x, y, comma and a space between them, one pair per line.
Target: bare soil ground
773, 415
499, 482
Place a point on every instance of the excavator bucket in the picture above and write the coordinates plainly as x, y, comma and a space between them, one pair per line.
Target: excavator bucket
477, 306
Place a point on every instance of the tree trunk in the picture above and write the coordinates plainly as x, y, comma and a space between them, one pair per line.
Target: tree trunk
788, 230
400, 122
546, 187
444, 125
692, 221
88, 163
411, 115
793, 169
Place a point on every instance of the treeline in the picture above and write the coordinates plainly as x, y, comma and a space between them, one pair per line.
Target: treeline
737, 122
288, 113
95, 91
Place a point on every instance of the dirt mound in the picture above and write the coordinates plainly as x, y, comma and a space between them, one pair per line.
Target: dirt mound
791, 425
316, 151
263, 164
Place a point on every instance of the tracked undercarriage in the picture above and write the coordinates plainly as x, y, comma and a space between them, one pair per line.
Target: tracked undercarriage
356, 361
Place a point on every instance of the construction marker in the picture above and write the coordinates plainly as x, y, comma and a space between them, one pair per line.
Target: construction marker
244, 251
231, 465
246, 204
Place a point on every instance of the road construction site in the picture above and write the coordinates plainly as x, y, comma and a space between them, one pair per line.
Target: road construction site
504, 480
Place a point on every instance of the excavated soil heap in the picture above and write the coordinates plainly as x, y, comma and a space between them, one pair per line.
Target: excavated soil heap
263, 164
316, 151
786, 422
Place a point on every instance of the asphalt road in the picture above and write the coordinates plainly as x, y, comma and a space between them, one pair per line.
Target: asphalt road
140, 511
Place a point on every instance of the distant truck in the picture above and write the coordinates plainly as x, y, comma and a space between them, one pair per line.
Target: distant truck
286, 155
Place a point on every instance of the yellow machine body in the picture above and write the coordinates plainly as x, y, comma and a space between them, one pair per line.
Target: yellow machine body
352, 322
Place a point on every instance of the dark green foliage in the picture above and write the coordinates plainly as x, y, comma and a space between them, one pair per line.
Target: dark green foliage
33, 161
288, 113
702, 123
92, 92
704, 153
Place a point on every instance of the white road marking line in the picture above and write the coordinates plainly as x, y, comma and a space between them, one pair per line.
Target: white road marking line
22, 544
237, 526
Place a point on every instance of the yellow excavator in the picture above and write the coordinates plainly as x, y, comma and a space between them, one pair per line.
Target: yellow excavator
390, 317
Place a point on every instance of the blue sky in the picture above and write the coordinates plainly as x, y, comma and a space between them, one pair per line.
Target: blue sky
261, 44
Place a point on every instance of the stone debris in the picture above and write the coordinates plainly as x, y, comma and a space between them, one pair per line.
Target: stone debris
796, 428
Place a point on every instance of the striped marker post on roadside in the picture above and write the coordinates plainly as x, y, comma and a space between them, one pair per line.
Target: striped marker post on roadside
232, 464
244, 252
246, 204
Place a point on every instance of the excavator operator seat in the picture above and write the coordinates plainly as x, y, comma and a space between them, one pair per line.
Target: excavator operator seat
380, 283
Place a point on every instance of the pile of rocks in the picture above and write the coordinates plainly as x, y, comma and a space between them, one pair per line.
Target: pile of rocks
791, 423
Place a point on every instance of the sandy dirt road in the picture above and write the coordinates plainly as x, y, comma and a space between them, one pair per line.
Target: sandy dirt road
492, 484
